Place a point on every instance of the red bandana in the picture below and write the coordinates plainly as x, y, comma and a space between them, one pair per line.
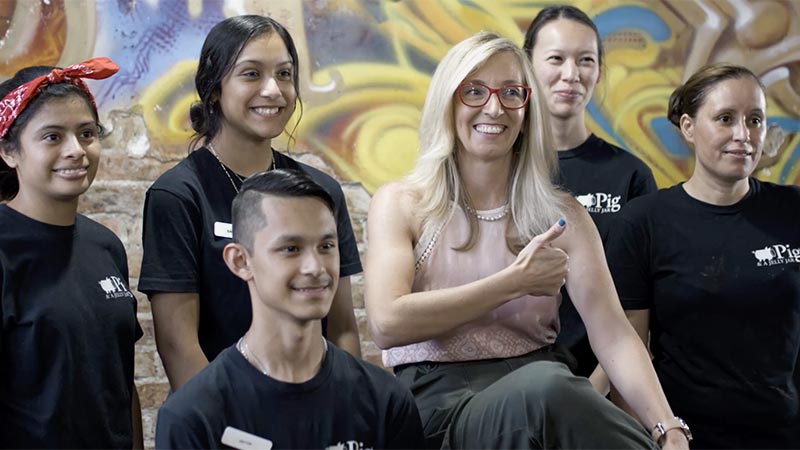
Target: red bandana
13, 103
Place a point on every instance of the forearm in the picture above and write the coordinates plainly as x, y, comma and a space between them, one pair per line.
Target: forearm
181, 363
628, 366
599, 380
176, 318
420, 316
348, 341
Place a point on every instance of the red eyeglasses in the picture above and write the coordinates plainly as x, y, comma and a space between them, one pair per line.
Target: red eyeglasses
476, 95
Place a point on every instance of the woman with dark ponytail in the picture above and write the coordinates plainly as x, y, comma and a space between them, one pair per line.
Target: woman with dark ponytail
710, 269
248, 83
67, 318
567, 55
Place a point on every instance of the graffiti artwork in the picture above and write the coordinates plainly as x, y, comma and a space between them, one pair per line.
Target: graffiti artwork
366, 65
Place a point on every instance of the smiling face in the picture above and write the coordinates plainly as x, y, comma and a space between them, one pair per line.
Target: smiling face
294, 261
489, 132
728, 131
566, 64
57, 156
257, 96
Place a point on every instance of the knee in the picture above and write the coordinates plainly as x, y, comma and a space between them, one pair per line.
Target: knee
552, 384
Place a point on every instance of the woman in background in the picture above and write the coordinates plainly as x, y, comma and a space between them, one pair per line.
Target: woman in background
567, 56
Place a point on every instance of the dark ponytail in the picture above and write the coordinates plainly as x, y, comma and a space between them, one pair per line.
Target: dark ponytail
690, 96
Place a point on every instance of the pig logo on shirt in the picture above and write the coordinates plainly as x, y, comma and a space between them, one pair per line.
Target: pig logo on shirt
600, 202
349, 445
765, 254
587, 200
114, 287
776, 254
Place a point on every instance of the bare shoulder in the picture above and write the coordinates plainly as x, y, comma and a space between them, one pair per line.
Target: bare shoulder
395, 190
581, 229
394, 205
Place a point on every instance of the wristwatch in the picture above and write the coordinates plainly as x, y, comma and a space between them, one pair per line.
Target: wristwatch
661, 428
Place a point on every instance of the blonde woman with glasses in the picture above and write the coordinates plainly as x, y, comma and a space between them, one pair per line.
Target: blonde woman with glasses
466, 259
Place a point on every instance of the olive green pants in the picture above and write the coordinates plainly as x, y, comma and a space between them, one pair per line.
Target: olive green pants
530, 401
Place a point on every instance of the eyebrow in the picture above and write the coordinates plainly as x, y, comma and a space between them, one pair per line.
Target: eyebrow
506, 82
255, 61
295, 237
51, 126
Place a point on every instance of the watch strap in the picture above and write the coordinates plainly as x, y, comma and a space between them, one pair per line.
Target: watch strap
661, 429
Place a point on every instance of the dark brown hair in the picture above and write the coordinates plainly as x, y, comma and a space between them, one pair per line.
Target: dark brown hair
222, 47
690, 96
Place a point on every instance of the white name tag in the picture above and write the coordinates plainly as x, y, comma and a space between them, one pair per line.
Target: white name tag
223, 230
244, 441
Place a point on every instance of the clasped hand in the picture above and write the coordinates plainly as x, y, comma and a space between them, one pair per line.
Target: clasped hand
542, 269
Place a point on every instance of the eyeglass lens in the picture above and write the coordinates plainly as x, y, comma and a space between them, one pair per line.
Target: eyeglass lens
476, 95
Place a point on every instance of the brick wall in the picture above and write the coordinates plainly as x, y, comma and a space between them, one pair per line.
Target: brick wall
130, 162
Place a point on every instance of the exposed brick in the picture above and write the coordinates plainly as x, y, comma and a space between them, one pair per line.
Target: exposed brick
141, 299
116, 164
357, 286
371, 353
149, 427
357, 200
314, 161
359, 227
146, 322
144, 362
152, 394
114, 197
363, 326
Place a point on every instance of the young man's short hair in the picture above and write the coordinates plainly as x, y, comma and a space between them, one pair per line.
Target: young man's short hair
248, 216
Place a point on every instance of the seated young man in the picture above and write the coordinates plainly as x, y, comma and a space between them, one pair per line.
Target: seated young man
283, 385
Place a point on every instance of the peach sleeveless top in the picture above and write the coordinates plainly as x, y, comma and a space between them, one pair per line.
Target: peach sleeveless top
519, 326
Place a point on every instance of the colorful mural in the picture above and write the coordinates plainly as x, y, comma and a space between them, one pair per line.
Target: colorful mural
366, 66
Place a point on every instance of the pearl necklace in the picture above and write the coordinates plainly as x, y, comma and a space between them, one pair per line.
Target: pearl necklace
227, 171
490, 217
251, 357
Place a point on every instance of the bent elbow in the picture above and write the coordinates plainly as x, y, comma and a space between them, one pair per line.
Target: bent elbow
383, 333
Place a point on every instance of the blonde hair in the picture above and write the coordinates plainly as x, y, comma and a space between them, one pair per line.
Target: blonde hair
535, 203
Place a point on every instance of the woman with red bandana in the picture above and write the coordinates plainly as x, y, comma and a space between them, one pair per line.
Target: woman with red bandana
67, 317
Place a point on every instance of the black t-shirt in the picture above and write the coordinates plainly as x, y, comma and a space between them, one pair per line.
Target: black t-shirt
186, 213
67, 335
603, 178
349, 404
722, 284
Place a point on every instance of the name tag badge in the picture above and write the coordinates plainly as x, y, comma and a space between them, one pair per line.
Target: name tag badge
238, 439
223, 230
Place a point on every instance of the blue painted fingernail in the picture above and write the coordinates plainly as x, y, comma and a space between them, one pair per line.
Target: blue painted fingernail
561, 222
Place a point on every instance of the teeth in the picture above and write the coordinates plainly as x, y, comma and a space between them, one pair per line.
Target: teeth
70, 171
310, 289
266, 111
490, 129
